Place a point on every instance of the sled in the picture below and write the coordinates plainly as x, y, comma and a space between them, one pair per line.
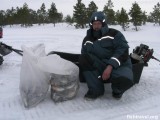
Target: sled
137, 66
139, 58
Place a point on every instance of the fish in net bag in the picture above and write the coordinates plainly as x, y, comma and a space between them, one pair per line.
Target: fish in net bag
64, 77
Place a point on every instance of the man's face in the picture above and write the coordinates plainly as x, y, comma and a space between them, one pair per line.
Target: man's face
97, 25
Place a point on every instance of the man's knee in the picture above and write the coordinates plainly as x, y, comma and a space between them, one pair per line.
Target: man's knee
121, 83
85, 60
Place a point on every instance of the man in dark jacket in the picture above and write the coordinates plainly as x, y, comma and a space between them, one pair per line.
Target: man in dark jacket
105, 58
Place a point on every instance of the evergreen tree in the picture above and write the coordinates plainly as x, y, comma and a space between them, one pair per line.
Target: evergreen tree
69, 19
53, 14
17, 16
24, 15
117, 14
2, 17
10, 19
156, 14
14, 16
59, 17
8, 16
92, 7
41, 13
33, 19
109, 4
79, 14
109, 12
136, 15
144, 17
123, 19
150, 18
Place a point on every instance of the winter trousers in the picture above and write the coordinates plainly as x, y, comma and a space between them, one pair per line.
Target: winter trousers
121, 78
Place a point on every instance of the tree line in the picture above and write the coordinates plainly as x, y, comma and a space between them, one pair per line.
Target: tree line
27, 17
135, 16
81, 15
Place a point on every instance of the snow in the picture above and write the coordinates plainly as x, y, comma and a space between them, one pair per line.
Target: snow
139, 102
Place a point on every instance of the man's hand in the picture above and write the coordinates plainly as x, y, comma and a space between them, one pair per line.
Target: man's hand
107, 72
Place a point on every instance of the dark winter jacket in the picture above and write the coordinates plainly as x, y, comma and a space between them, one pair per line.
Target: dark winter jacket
110, 49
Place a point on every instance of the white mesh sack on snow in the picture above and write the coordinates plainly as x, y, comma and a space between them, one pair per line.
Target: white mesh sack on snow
34, 83
64, 77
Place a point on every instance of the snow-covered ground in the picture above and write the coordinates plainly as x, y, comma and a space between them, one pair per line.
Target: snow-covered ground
140, 102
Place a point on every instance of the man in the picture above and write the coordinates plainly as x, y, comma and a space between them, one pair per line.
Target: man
105, 58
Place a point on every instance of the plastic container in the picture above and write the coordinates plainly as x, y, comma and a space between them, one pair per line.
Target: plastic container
137, 71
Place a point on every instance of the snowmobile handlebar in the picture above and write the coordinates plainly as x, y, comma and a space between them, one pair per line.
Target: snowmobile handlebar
10, 48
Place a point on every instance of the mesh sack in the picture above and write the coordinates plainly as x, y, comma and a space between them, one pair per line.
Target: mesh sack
64, 77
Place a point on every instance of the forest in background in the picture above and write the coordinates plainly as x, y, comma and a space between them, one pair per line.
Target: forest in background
26, 16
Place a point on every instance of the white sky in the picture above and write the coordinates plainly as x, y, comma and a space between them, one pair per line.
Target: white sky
66, 6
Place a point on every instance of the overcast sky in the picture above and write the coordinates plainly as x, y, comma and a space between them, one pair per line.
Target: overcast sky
66, 6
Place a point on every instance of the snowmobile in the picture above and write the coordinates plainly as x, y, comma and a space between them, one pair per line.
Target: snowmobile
6, 49
139, 57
